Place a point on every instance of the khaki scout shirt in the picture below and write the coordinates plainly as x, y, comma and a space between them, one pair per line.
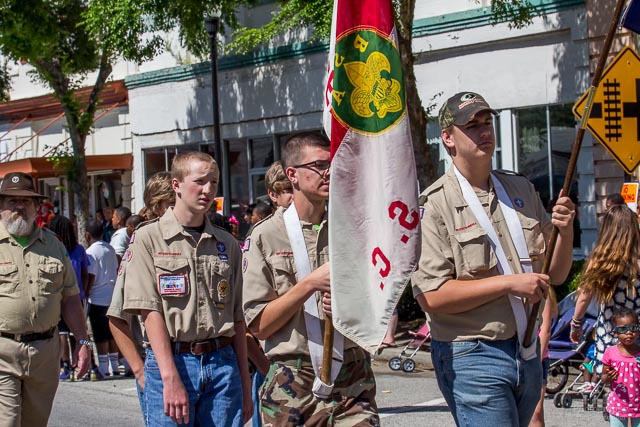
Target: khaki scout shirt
454, 246
116, 309
211, 302
33, 281
269, 272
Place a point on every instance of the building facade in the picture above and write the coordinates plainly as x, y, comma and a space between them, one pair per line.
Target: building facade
532, 76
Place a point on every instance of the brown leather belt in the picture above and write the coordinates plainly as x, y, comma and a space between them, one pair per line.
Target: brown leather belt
201, 347
29, 337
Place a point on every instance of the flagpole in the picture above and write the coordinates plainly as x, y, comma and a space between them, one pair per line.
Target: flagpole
602, 60
327, 351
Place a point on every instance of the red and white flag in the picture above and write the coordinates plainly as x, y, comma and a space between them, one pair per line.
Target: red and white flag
374, 221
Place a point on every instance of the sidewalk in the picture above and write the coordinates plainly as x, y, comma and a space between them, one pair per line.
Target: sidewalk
402, 338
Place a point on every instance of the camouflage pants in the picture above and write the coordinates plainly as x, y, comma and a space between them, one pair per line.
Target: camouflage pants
286, 399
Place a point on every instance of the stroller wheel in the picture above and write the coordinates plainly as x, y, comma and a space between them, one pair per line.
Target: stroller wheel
557, 400
567, 400
408, 365
395, 363
558, 377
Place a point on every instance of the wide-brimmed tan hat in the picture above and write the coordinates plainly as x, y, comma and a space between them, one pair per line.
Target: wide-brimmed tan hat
18, 184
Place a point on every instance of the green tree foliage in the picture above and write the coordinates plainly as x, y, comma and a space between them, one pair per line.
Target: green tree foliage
5, 82
68, 41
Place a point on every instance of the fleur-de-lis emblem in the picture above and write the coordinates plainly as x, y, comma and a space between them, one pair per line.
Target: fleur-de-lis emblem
372, 87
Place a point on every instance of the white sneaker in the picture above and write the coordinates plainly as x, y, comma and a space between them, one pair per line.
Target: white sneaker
586, 388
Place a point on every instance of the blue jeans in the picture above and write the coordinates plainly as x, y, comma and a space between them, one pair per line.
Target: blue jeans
485, 383
622, 422
256, 383
141, 401
213, 384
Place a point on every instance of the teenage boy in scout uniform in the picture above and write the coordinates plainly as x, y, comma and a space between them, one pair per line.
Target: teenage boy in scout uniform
274, 298
483, 245
183, 276
37, 284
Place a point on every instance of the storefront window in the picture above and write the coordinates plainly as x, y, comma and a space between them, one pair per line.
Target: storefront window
545, 138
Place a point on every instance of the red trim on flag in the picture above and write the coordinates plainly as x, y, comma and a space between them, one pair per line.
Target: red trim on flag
372, 13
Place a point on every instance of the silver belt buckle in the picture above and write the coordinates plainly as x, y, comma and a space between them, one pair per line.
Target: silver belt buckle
192, 346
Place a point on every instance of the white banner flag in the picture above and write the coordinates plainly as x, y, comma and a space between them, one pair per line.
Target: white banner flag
374, 221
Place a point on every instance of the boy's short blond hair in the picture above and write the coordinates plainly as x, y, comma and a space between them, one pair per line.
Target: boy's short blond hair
180, 164
275, 178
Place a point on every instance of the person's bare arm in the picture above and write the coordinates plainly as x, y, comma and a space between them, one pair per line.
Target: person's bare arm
92, 278
545, 326
256, 355
458, 296
278, 312
124, 340
84, 276
608, 374
240, 348
562, 217
176, 400
582, 303
73, 316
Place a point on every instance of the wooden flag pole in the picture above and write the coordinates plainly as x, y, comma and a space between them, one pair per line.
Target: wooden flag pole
327, 351
574, 154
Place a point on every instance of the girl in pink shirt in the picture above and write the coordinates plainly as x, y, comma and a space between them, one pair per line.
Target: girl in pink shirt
621, 370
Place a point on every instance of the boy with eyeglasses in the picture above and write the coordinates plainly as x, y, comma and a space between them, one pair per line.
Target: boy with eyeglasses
274, 296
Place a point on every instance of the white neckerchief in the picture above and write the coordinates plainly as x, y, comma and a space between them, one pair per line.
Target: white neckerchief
311, 317
517, 236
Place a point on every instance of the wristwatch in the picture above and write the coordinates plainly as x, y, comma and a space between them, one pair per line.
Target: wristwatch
86, 343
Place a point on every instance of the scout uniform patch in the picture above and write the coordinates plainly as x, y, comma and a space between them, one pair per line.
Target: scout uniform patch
223, 289
172, 284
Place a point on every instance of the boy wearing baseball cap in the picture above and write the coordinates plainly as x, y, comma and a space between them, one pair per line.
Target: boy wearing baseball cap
484, 238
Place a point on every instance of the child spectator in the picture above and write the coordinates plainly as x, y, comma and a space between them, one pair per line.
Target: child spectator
622, 372
278, 185
103, 267
260, 212
63, 227
43, 219
587, 370
132, 223
611, 276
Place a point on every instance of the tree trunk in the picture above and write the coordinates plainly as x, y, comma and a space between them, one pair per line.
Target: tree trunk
426, 166
80, 123
77, 175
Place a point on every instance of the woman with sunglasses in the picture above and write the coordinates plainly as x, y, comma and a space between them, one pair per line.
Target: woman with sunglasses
622, 372
610, 276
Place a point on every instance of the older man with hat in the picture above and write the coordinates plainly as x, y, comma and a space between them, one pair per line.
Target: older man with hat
37, 285
484, 239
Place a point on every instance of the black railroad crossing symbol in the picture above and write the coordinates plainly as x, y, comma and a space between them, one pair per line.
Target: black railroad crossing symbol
615, 110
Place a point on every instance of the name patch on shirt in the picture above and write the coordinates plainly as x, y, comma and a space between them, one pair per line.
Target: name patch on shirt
172, 284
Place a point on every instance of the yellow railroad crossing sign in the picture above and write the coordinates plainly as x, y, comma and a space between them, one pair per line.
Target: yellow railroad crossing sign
615, 114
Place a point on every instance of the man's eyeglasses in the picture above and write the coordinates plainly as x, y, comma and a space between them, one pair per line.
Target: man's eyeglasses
626, 328
321, 165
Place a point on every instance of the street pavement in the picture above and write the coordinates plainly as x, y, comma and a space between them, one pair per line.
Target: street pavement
404, 399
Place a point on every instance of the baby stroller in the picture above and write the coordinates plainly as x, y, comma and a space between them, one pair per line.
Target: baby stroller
565, 355
417, 340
